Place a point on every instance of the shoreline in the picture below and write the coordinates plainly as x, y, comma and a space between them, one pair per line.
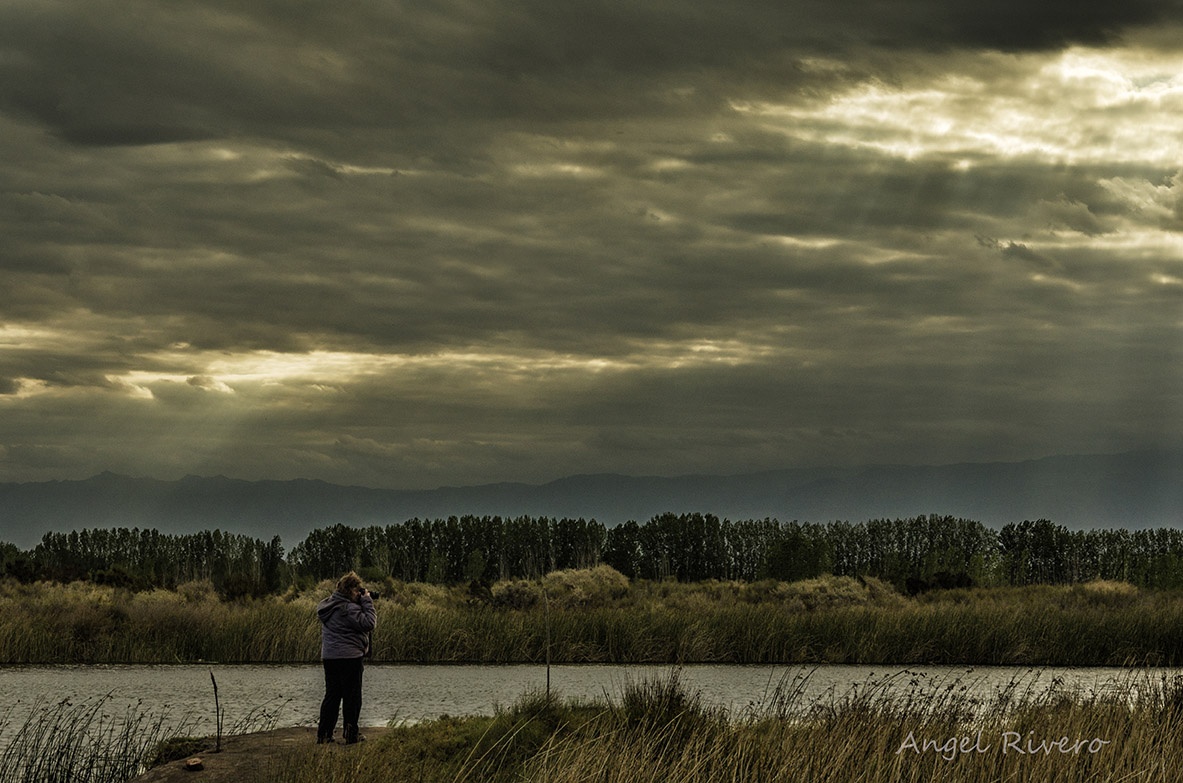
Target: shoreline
245, 755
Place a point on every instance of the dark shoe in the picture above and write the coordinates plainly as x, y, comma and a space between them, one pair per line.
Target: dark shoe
352, 736
323, 740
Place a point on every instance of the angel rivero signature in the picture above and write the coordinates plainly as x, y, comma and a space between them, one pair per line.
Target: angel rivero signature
1008, 742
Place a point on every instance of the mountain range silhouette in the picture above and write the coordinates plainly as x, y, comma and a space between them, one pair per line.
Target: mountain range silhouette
1132, 490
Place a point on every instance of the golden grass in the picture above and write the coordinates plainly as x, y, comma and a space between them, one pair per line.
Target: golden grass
598, 616
657, 733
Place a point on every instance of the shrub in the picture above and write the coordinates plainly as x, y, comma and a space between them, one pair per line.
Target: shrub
516, 595
583, 587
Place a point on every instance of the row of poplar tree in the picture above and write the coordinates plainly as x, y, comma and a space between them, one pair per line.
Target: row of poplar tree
914, 554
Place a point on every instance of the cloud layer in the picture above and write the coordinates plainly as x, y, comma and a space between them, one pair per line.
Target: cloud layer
446, 243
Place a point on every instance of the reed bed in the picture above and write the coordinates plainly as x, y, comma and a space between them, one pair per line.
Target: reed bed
597, 616
657, 732
89, 741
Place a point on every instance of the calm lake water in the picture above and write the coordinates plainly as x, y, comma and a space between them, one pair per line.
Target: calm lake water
264, 696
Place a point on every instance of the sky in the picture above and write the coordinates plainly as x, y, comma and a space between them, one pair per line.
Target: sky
414, 244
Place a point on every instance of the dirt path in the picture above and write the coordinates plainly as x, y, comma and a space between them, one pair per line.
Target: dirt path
242, 756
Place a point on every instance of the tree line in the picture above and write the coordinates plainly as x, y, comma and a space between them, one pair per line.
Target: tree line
236, 564
914, 554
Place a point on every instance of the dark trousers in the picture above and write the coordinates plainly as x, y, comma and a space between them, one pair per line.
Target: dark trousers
342, 684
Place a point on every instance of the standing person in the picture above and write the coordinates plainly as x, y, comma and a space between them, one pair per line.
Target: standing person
347, 619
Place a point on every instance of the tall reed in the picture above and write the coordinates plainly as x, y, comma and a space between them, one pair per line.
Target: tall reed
595, 617
656, 732
89, 741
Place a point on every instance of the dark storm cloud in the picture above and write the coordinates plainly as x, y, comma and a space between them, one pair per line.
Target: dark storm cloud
144, 73
1013, 25
449, 242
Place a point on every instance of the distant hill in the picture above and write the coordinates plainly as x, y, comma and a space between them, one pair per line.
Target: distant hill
1134, 490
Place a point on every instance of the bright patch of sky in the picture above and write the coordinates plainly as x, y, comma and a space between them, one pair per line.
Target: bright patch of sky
1079, 107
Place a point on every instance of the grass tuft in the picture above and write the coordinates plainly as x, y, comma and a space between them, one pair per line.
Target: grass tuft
88, 741
877, 732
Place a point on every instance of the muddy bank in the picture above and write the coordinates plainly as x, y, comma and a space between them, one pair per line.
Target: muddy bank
243, 757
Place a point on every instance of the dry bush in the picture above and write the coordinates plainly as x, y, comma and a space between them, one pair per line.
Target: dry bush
1106, 593
411, 595
825, 592
584, 587
516, 594
197, 591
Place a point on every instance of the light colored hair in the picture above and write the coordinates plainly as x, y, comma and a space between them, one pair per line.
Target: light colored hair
346, 583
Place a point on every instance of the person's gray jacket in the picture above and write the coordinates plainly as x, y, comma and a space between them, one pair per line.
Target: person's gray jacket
345, 626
